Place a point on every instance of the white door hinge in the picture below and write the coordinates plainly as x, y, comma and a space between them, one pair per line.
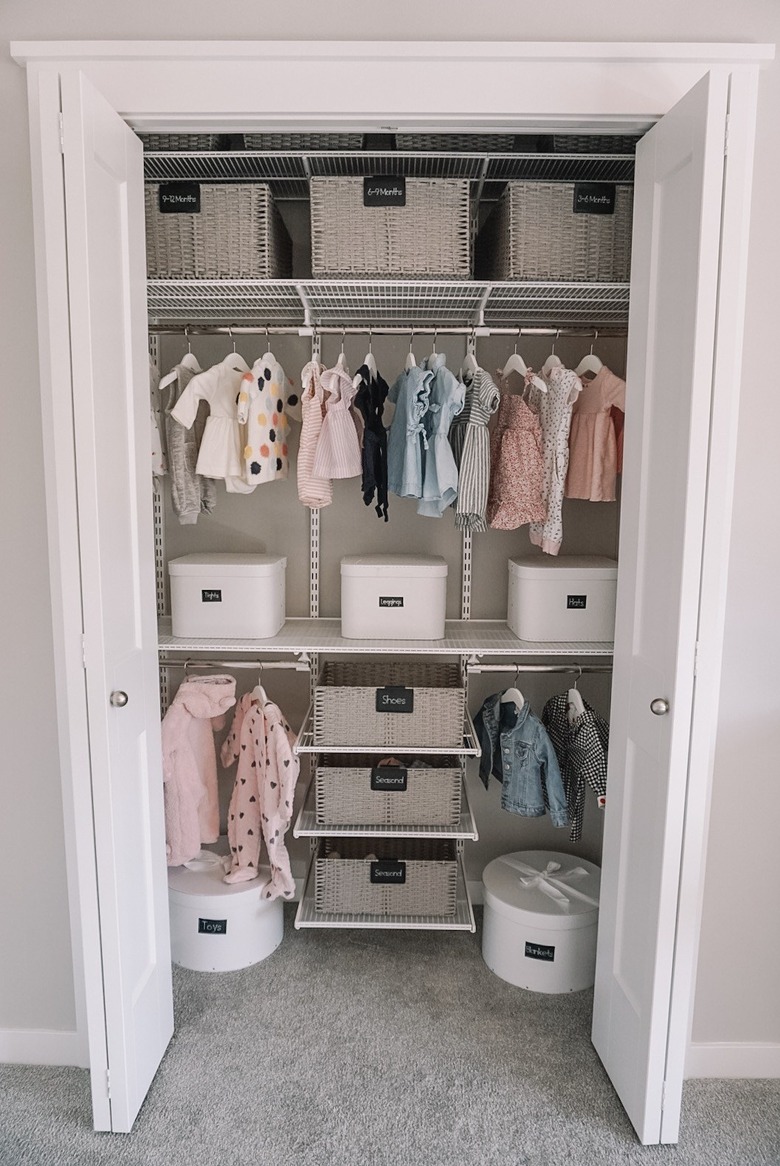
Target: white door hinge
84, 652
62, 135
696, 659
663, 1097
726, 136
108, 1084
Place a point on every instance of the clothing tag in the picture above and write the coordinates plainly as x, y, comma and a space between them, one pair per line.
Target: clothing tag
212, 927
578, 602
384, 191
179, 198
395, 700
388, 870
539, 951
211, 595
602, 801
594, 198
391, 600
388, 777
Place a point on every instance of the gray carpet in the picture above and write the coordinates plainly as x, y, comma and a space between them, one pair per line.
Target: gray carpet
377, 1048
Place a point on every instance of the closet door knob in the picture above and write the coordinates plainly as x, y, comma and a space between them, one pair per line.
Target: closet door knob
659, 706
118, 699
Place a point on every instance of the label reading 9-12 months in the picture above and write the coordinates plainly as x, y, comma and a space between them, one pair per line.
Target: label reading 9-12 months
179, 198
395, 700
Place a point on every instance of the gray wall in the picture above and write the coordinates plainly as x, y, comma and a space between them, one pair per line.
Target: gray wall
740, 949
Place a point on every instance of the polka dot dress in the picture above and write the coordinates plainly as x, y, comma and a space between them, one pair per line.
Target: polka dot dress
554, 408
265, 402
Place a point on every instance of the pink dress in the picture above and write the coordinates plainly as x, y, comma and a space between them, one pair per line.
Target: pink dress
517, 466
593, 455
312, 491
338, 448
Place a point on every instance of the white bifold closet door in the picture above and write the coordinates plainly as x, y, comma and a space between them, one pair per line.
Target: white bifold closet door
107, 294
674, 289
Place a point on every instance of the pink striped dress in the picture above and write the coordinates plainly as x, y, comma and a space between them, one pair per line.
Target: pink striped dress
338, 448
312, 491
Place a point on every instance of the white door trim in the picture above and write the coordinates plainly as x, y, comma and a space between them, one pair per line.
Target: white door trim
626, 85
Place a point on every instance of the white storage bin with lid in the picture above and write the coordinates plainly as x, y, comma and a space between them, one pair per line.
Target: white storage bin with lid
565, 597
540, 920
237, 596
218, 926
393, 597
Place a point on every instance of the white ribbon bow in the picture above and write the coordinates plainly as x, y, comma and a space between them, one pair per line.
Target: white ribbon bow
552, 884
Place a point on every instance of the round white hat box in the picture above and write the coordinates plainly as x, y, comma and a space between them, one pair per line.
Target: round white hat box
538, 940
218, 926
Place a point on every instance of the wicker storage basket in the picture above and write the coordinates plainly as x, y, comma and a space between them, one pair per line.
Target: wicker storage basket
312, 142
344, 883
345, 706
429, 238
457, 143
344, 797
238, 234
534, 234
594, 144
180, 142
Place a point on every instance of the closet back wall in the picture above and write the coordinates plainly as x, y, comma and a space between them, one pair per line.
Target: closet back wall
735, 1001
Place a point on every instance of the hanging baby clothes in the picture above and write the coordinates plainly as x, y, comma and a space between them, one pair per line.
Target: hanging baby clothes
440, 474
471, 450
338, 448
618, 420
554, 408
190, 763
517, 750
592, 442
370, 403
159, 463
405, 442
581, 746
265, 403
312, 491
516, 465
191, 493
262, 801
221, 447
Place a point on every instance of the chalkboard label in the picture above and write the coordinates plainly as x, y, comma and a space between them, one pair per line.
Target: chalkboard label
212, 927
388, 778
179, 198
576, 602
384, 191
211, 595
395, 700
391, 600
388, 870
594, 198
539, 951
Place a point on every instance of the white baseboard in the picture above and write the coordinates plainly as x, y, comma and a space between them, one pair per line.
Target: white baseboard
40, 1046
732, 1059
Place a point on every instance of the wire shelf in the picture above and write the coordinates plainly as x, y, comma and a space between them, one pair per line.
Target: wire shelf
463, 919
469, 747
307, 826
419, 303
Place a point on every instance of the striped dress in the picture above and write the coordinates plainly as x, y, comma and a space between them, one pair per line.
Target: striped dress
338, 449
471, 448
312, 491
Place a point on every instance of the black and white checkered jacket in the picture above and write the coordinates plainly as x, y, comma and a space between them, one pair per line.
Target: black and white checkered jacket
581, 748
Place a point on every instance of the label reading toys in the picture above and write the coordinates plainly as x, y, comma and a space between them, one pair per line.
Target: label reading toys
211, 595
212, 927
389, 778
539, 951
576, 602
385, 190
179, 198
395, 700
388, 870
594, 198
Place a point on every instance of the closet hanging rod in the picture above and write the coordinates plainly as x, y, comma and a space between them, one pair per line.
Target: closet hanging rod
574, 669
302, 665
176, 329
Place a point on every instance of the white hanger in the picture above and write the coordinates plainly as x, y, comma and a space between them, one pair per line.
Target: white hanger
268, 356
575, 706
470, 365
410, 358
342, 360
369, 361
258, 692
515, 363
552, 361
590, 362
514, 694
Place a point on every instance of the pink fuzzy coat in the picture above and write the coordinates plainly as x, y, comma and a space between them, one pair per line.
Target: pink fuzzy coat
190, 763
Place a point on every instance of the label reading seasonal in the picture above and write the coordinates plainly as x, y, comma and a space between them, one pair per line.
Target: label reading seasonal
391, 600
395, 700
385, 190
212, 927
211, 595
594, 198
179, 198
388, 870
539, 951
576, 602
388, 778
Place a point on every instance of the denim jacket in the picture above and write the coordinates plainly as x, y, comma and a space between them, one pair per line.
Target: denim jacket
517, 750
